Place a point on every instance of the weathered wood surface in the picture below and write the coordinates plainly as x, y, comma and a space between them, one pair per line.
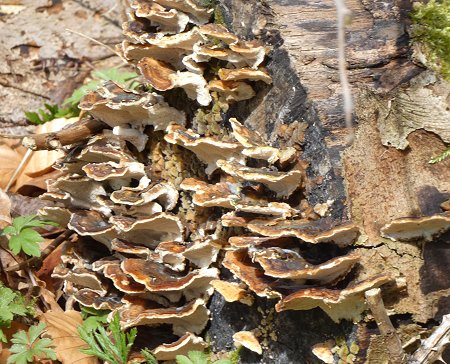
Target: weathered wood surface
370, 182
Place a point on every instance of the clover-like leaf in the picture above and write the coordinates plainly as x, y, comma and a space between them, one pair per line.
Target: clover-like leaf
27, 240
27, 346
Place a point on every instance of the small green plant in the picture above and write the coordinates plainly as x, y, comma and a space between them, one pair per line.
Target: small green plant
444, 155
200, 357
148, 356
11, 304
126, 79
93, 318
114, 350
22, 237
431, 28
70, 105
27, 346
50, 112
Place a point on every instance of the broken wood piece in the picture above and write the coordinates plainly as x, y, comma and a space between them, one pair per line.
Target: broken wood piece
394, 345
74, 133
432, 348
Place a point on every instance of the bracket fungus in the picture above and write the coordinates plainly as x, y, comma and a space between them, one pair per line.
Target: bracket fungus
417, 228
156, 199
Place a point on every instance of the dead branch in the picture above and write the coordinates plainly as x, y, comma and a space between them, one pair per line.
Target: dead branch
37, 261
73, 133
393, 343
433, 347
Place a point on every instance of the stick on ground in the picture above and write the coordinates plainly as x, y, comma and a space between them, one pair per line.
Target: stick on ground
393, 343
74, 133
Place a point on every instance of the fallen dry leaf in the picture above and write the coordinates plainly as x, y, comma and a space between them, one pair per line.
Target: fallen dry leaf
10, 158
62, 328
5, 209
39, 167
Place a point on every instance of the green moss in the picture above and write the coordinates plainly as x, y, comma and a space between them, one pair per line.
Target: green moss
218, 16
431, 29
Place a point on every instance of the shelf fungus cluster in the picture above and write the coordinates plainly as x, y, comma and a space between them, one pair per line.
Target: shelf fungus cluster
159, 206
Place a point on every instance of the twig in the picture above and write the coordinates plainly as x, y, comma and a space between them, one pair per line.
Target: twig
433, 347
393, 343
95, 41
7, 84
19, 168
342, 14
12, 136
73, 133
33, 262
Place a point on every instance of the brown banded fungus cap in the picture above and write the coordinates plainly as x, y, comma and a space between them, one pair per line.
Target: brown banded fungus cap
81, 278
217, 31
162, 77
226, 74
158, 278
282, 183
92, 223
232, 91
191, 317
116, 106
81, 192
232, 292
149, 231
417, 228
305, 230
248, 340
239, 263
338, 304
90, 298
221, 194
256, 147
285, 263
197, 13
208, 150
165, 193
168, 21
135, 52
186, 343
202, 253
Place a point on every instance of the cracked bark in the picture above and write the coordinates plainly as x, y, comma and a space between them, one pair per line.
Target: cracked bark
371, 183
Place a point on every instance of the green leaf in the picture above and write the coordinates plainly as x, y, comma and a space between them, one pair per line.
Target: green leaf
27, 241
33, 117
11, 304
115, 350
223, 361
181, 359
79, 93
148, 356
21, 222
10, 230
3, 336
444, 155
35, 331
93, 322
198, 357
28, 346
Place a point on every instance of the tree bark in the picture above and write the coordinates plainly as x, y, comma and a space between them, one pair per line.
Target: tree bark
400, 109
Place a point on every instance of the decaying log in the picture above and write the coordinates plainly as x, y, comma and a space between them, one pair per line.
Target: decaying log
370, 182
74, 133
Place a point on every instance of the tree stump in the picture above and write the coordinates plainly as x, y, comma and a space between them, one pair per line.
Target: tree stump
399, 125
